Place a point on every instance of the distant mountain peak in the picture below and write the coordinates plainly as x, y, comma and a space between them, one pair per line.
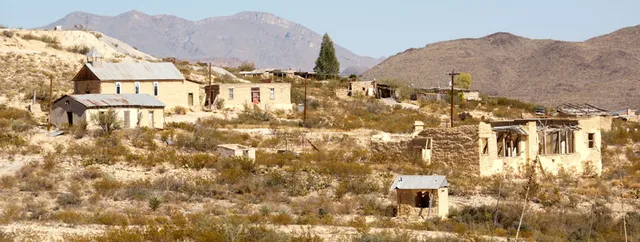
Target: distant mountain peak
268, 40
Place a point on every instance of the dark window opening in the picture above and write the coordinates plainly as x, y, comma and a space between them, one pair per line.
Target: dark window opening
592, 140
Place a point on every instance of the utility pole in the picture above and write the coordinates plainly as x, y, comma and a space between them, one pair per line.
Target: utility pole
210, 94
453, 75
304, 115
50, 101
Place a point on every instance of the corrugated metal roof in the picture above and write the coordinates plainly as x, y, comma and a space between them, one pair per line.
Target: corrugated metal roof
511, 128
419, 182
136, 71
117, 100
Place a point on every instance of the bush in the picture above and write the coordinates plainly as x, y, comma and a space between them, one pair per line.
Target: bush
8, 34
246, 66
108, 121
79, 49
179, 110
155, 202
68, 199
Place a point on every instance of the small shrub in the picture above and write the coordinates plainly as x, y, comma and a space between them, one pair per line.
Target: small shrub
179, 110
108, 121
97, 35
155, 202
8, 34
79, 49
68, 199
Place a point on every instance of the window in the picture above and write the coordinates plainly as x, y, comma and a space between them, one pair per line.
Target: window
118, 87
231, 93
508, 145
66, 102
272, 93
556, 142
592, 140
484, 143
155, 89
137, 86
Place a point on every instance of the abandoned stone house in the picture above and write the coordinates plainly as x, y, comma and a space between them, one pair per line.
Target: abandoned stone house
491, 148
133, 110
421, 196
362, 88
160, 79
267, 96
439, 94
236, 150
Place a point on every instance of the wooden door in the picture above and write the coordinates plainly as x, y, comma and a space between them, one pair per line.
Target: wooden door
255, 95
127, 119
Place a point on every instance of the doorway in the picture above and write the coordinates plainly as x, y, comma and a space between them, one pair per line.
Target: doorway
422, 199
127, 119
255, 95
151, 121
190, 99
70, 118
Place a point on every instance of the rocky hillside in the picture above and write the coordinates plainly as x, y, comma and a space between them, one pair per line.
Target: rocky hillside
268, 40
28, 58
602, 70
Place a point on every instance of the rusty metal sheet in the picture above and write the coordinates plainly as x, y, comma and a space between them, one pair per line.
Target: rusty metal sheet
117, 100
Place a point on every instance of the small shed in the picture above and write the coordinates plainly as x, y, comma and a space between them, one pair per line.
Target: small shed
236, 150
134, 110
422, 196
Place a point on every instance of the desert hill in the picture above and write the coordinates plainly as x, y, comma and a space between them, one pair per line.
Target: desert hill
602, 71
268, 40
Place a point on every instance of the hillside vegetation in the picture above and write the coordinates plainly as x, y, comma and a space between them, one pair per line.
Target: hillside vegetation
601, 71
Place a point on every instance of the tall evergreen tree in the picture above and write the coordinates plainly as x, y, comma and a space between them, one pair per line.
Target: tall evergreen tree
327, 65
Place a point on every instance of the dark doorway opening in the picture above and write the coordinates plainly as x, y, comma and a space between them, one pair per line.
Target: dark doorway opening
70, 118
422, 199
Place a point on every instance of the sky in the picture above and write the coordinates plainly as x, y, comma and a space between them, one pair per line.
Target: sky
372, 28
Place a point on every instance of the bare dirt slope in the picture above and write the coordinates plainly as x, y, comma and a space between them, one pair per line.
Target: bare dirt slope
28, 58
601, 71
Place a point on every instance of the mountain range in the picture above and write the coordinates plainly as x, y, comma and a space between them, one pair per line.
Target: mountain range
263, 38
603, 71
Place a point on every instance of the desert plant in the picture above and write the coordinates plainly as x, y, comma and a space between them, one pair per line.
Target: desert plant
108, 121
155, 202
247, 66
79, 49
179, 110
8, 34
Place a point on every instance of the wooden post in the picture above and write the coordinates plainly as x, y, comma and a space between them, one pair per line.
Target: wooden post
452, 74
304, 116
50, 102
210, 94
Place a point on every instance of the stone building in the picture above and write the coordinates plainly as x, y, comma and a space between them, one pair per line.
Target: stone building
236, 150
160, 79
267, 96
422, 196
134, 110
491, 148
362, 88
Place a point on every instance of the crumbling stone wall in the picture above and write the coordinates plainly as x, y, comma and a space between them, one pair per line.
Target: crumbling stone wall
456, 146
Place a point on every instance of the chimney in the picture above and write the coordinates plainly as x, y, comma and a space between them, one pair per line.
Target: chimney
418, 126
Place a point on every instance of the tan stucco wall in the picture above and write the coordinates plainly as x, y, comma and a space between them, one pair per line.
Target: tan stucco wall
242, 96
171, 93
551, 163
145, 121
405, 199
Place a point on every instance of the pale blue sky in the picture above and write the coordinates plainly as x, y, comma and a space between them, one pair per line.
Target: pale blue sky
373, 28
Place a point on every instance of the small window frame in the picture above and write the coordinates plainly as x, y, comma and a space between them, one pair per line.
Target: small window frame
118, 88
272, 93
156, 89
231, 93
136, 87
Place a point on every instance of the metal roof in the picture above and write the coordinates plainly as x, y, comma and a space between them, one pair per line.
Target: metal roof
511, 128
419, 182
581, 109
117, 100
135, 71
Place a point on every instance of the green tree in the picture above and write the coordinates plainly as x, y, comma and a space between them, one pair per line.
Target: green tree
108, 121
463, 81
327, 65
